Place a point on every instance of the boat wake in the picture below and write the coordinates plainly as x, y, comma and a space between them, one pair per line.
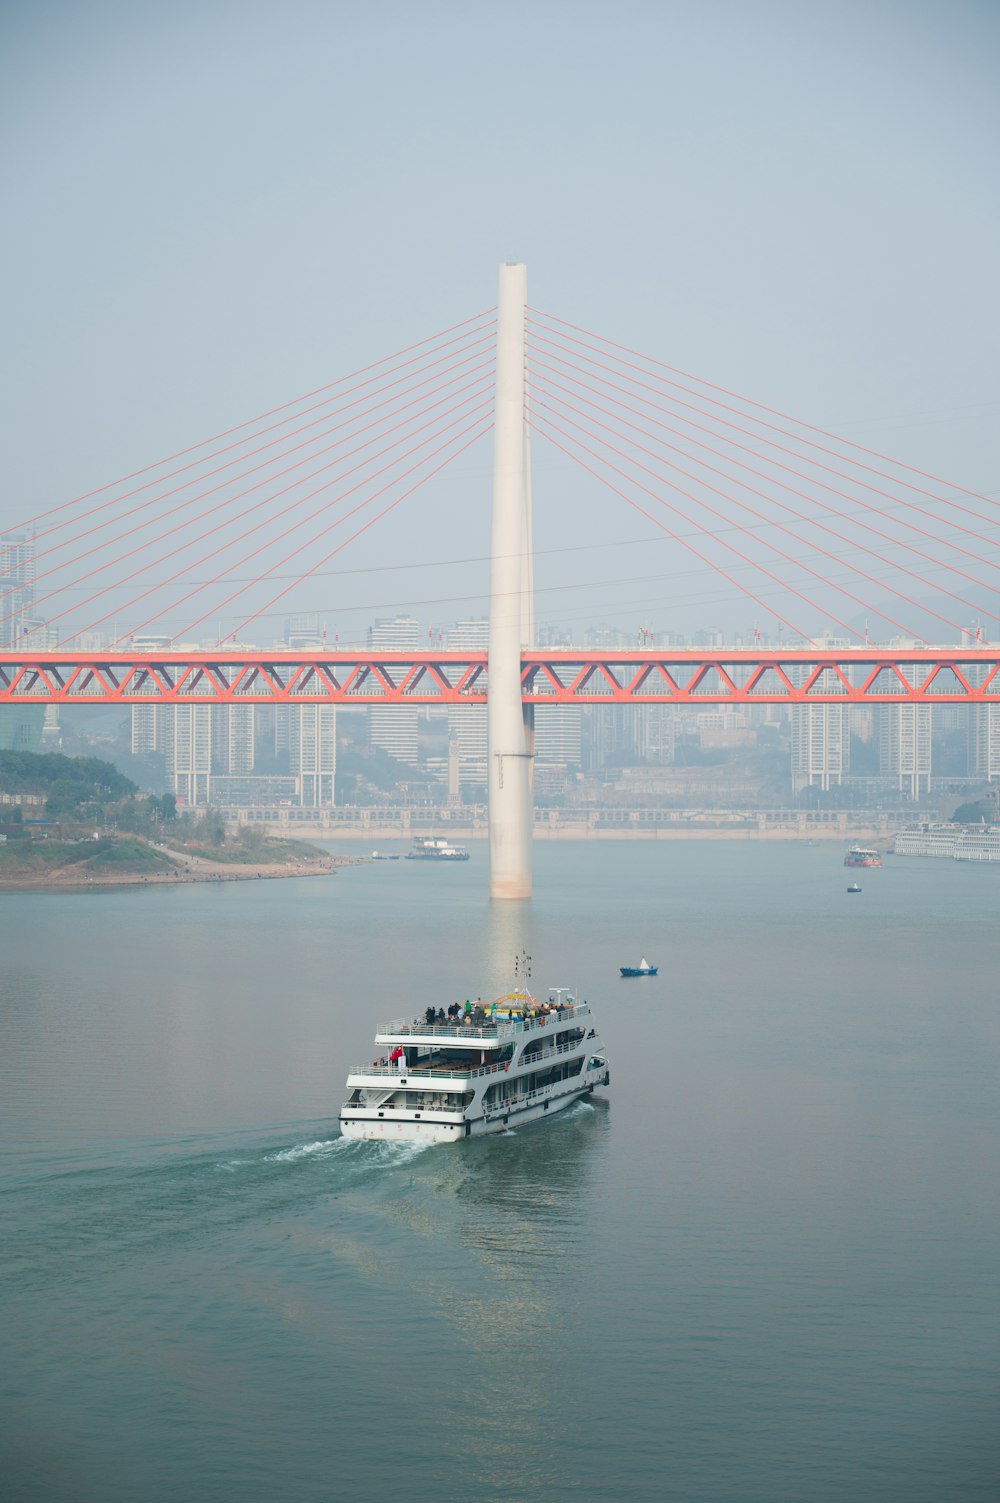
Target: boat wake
364, 1155
322, 1148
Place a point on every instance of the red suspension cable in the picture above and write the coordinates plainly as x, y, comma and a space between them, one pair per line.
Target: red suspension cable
776, 412
172, 512
249, 422
802, 516
713, 511
677, 537
816, 464
370, 523
270, 541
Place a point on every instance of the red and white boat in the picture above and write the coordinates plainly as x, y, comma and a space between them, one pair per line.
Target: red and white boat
858, 856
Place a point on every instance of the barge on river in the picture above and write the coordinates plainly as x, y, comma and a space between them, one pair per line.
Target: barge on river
467, 1072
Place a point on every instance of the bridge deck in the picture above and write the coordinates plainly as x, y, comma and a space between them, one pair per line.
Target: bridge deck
862, 675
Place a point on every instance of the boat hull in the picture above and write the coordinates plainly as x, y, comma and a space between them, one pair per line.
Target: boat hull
629, 971
404, 1129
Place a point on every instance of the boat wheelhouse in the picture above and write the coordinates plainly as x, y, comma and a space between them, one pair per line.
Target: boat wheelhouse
474, 1069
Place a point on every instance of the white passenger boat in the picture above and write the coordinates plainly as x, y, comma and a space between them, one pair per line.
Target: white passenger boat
434, 848
476, 1068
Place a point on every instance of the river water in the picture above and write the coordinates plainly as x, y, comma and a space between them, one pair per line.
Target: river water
765, 1267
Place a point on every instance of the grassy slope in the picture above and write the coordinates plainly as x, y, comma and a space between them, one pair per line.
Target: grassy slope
266, 852
126, 856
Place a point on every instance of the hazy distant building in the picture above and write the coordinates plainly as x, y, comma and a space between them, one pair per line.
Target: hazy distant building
905, 747
394, 728
986, 742
17, 588
21, 727
185, 734
147, 721
312, 751
303, 631
558, 737
467, 723
233, 739
39, 636
629, 735
821, 745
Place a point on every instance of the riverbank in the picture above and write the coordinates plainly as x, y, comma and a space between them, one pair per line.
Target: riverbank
73, 879
45, 865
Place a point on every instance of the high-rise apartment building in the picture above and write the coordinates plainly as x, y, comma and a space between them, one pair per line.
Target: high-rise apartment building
312, 747
821, 745
905, 747
148, 723
233, 739
558, 737
17, 588
185, 733
467, 723
986, 742
393, 728
820, 734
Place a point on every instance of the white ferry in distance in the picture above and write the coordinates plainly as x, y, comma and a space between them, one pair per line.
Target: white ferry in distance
433, 848
475, 1068
857, 856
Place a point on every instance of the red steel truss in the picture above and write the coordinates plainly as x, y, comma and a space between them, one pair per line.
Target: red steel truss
565, 675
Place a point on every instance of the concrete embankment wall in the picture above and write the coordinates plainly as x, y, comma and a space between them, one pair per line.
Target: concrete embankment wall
372, 833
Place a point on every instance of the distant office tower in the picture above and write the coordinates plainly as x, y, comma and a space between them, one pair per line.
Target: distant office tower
233, 739
17, 587
467, 723
394, 728
186, 743
821, 745
312, 749
905, 747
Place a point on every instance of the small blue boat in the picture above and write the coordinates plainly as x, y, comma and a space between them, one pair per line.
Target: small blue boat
642, 969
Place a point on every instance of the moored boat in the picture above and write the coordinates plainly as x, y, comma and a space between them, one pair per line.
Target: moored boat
859, 856
434, 848
466, 1071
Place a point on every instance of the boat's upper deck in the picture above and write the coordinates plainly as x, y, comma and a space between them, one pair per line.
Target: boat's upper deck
482, 1028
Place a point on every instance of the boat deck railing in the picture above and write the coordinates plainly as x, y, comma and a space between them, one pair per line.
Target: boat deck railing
426, 1070
547, 1092
500, 1028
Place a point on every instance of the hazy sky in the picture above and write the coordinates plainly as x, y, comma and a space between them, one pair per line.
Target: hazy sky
211, 208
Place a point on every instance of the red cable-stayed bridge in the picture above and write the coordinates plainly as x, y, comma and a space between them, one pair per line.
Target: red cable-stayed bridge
818, 535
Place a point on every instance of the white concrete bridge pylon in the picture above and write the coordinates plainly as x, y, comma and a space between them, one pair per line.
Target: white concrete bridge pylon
510, 726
